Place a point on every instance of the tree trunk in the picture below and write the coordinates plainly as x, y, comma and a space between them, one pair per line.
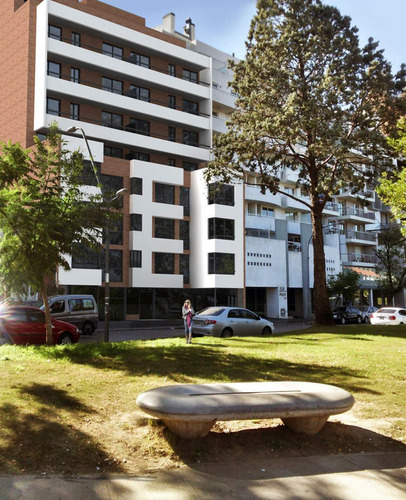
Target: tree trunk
48, 323
322, 308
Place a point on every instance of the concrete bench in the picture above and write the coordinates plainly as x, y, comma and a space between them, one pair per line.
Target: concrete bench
190, 411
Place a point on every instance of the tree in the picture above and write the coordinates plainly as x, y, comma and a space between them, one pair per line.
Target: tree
345, 284
42, 212
392, 260
310, 100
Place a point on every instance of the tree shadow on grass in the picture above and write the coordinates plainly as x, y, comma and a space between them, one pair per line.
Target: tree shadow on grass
47, 439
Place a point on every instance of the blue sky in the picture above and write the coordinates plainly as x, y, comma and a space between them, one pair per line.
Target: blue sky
225, 23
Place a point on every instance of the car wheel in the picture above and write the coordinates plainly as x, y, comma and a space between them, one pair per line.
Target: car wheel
266, 331
342, 320
226, 333
359, 319
65, 339
87, 328
3, 341
367, 320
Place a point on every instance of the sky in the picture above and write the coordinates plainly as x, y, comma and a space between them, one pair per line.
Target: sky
224, 24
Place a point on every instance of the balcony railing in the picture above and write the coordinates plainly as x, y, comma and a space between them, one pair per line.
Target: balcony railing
360, 235
358, 213
334, 207
365, 258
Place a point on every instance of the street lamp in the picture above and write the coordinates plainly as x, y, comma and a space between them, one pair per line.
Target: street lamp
80, 129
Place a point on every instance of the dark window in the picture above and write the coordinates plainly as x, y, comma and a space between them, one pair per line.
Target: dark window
164, 263
185, 200
75, 39
164, 193
184, 267
135, 222
137, 126
74, 111
190, 107
221, 194
112, 151
172, 69
115, 264
190, 138
189, 166
84, 257
140, 60
221, 263
172, 162
88, 177
184, 234
164, 228
116, 232
136, 155
222, 229
172, 101
112, 120
172, 134
110, 185
190, 76
54, 69
54, 32
135, 258
140, 93
112, 51
53, 107
136, 185
110, 85
75, 75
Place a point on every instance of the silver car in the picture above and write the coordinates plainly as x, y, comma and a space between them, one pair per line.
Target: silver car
226, 322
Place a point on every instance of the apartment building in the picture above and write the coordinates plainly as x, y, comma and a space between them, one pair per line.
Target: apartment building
149, 101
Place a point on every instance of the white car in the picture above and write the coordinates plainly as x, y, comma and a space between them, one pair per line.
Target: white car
389, 316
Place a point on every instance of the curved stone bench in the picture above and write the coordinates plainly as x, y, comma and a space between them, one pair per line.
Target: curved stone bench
191, 410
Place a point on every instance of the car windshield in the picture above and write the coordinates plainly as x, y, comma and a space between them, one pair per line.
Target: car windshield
211, 311
387, 311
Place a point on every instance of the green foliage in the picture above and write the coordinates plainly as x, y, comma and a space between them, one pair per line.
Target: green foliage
345, 284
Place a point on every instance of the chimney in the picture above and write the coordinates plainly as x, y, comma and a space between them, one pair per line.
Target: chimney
189, 30
168, 23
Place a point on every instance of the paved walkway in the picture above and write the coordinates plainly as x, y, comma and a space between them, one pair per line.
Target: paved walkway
373, 476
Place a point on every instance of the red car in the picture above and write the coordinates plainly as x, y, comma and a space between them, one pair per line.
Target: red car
26, 325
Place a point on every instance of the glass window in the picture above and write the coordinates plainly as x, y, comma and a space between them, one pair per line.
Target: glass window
74, 111
164, 263
110, 85
189, 166
172, 69
184, 234
110, 185
137, 126
190, 138
112, 151
164, 193
53, 107
267, 212
135, 222
115, 264
84, 257
116, 232
136, 185
75, 75
164, 228
184, 267
75, 39
54, 69
54, 32
140, 60
112, 120
112, 51
135, 258
88, 177
172, 134
184, 200
171, 162
190, 107
140, 93
221, 194
136, 155
222, 229
172, 101
221, 263
190, 76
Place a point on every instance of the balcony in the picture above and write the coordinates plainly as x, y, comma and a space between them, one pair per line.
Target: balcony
356, 214
362, 237
360, 257
331, 208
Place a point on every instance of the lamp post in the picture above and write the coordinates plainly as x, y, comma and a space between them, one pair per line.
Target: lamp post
80, 129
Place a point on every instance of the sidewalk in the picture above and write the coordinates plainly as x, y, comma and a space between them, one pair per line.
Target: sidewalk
372, 476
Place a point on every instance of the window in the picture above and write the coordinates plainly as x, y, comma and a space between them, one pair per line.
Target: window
184, 200
294, 243
171, 162
112, 151
164, 193
221, 263
135, 222
54, 32
164, 263
172, 101
190, 107
110, 85
74, 111
221, 194
53, 107
190, 76
75, 39
140, 93
136, 155
189, 166
87, 176
222, 229
164, 228
54, 69
190, 138
112, 120
172, 134
75, 75
116, 265
110, 185
137, 126
140, 60
184, 267
136, 185
135, 258
171, 69
84, 257
112, 51
267, 212
116, 232
184, 234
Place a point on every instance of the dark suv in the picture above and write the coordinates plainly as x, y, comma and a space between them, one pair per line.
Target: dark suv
347, 314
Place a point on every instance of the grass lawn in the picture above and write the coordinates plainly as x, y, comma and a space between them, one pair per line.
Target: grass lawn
72, 409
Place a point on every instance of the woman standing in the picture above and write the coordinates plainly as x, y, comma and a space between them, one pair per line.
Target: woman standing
187, 315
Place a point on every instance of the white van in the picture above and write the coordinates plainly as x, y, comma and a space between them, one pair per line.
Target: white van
80, 310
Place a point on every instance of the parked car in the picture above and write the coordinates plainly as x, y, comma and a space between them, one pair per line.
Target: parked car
225, 322
347, 314
26, 325
366, 312
79, 310
389, 316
